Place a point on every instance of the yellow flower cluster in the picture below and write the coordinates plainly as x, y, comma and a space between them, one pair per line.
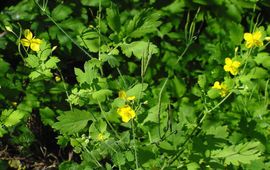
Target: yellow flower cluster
253, 39
30, 41
126, 112
222, 87
231, 66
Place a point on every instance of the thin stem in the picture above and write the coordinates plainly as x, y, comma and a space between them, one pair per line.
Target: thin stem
184, 52
119, 72
197, 126
102, 112
96, 161
19, 45
266, 93
65, 87
134, 144
63, 31
159, 104
99, 25
216, 106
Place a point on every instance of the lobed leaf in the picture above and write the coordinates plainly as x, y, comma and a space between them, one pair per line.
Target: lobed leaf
72, 121
239, 154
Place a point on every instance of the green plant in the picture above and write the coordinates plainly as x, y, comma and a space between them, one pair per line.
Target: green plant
136, 85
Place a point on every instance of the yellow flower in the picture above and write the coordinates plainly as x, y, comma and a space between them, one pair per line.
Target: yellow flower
126, 113
222, 88
100, 137
122, 94
231, 66
30, 41
253, 40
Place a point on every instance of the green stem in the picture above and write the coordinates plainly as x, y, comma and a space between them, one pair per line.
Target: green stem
184, 52
119, 72
65, 87
99, 24
197, 126
102, 112
159, 104
134, 144
216, 106
63, 31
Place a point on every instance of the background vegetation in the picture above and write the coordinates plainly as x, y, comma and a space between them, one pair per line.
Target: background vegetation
103, 84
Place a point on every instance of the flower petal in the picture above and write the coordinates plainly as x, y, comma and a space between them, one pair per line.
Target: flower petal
130, 98
28, 34
126, 113
35, 44
227, 68
132, 113
228, 61
122, 94
217, 85
259, 43
257, 35
25, 42
125, 118
236, 64
249, 44
248, 36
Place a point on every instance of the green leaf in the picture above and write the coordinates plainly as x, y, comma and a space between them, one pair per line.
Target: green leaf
178, 86
139, 49
113, 18
137, 90
193, 165
110, 59
11, 118
72, 121
32, 61
33, 75
118, 102
236, 33
4, 66
218, 131
2, 131
61, 12
213, 93
68, 165
152, 114
47, 73
101, 95
45, 51
243, 153
90, 73
90, 40
202, 81
143, 23
201, 2
263, 59
258, 73
166, 146
51, 63
80, 75
145, 154
75, 25
95, 3
119, 159
129, 156
47, 116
